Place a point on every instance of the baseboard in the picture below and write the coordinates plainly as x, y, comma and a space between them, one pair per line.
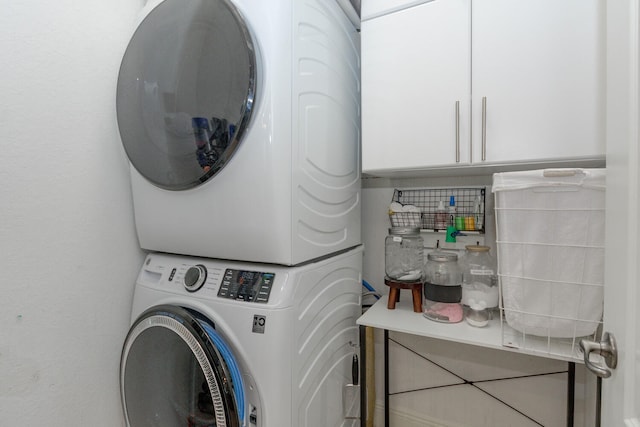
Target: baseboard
407, 419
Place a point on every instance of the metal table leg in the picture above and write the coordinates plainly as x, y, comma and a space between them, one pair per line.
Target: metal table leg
363, 377
571, 392
386, 378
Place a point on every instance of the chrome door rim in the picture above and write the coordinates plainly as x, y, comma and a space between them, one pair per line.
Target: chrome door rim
167, 179
226, 416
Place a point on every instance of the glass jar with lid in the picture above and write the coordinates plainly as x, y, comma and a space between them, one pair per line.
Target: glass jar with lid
403, 254
442, 289
479, 278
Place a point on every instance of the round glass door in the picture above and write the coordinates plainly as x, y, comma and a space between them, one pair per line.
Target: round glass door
176, 371
185, 91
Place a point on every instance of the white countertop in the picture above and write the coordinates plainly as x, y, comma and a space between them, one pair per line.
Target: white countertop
403, 319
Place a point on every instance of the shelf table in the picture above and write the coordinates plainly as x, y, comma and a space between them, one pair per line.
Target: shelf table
404, 319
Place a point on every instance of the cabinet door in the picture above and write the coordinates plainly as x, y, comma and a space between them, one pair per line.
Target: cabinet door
541, 66
415, 68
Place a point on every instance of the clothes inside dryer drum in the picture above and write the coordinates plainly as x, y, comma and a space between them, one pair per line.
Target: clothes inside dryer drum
238, 384
186, 91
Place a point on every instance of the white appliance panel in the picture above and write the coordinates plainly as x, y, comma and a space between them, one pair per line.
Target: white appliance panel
301, 361
291, 191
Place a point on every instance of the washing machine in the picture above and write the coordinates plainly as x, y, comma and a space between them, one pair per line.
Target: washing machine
225, 343
241, 121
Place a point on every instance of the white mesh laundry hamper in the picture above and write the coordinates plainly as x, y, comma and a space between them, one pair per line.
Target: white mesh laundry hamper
550, 248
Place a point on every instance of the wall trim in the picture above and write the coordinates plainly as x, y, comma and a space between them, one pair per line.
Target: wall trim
410, 419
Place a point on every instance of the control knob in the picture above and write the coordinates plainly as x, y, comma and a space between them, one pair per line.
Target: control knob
195, 277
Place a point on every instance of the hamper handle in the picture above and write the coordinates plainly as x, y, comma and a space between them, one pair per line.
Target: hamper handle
555, 173
567, 180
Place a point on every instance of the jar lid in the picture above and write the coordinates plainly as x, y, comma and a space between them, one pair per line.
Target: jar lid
404, 230
477, 248
442, 256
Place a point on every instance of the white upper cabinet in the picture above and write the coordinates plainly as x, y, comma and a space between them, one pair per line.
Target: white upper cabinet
541, 66
451, 83
415, 71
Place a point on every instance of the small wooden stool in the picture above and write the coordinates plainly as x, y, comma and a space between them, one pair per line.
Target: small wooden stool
394, 293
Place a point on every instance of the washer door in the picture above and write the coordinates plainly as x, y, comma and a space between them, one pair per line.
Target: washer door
185, 91
177, 371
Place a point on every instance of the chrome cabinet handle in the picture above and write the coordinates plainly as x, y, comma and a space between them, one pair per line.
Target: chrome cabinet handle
484, 128
606, 348
457, 131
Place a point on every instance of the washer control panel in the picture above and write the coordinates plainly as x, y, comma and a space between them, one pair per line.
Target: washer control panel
244, 285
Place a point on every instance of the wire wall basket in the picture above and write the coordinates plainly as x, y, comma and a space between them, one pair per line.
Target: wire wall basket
430, 209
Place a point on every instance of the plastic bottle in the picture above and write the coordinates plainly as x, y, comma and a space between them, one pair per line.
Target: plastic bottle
478, 213
452, 210
441, 217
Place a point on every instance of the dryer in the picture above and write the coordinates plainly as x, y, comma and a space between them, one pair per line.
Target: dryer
232, 343
241, 121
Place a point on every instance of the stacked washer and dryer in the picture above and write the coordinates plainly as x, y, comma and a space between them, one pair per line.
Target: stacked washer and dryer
241, 121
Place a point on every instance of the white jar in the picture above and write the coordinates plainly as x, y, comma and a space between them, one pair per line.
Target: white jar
479, 278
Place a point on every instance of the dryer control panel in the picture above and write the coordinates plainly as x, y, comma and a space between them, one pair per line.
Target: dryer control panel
244, 285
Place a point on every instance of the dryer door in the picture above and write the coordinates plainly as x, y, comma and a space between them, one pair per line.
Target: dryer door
177, 371
185, 91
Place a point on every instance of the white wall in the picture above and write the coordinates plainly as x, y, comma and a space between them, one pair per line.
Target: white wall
68, 250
